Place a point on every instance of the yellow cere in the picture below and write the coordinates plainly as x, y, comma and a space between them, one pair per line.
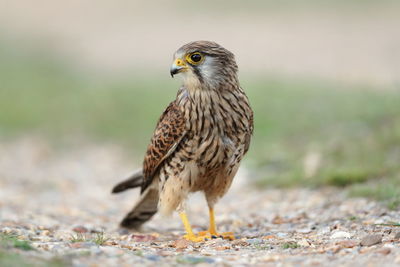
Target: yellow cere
179, 62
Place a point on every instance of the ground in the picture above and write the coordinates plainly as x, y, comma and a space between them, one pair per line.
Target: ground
56, 209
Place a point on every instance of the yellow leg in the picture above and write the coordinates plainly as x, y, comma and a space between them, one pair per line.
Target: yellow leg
189, 232
212, 230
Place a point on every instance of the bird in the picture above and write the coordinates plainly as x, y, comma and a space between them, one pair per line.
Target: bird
199, 140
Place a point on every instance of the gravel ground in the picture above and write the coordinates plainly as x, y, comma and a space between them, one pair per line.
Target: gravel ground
61, 203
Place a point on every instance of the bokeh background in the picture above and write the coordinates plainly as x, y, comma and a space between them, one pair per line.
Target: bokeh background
323, 78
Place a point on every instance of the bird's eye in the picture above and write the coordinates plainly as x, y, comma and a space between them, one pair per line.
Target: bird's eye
194, 58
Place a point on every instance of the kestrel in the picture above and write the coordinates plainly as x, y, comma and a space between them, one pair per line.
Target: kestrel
198, 142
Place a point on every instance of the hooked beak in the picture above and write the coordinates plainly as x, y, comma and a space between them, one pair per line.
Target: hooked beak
178, 66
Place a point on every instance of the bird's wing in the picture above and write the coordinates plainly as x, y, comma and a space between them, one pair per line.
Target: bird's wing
250, 132
169, 132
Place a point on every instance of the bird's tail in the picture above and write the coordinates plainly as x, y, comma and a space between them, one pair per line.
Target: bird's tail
132, 181
146, 206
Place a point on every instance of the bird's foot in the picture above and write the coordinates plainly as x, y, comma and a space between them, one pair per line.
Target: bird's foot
213, 235
195, 238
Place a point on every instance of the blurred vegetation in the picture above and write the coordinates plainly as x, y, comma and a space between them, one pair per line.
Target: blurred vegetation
11, 253
9, 240
307, 132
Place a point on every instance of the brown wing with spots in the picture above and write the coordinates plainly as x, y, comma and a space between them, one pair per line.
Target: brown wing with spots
250, 132
169, 132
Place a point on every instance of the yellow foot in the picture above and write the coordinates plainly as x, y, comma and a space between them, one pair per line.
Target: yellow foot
213, 235
195, 238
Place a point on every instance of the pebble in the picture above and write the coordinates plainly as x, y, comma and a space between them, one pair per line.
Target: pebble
384, 251
240, 242
80, 229
195, 260
304, 243
324, 230
180, 243
340, 234
347, 243
271, 258
95, 250
112, 251
278, 220
304, 231
45, 233
166, 253
153, 257
82, 244
371, 240
281, 234
255, 241
221, 248
397, 235
142, 238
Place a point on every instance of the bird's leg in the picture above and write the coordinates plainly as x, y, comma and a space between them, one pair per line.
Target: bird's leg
212, 229
189, 232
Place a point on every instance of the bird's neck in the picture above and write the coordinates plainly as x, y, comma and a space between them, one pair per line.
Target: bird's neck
207, 109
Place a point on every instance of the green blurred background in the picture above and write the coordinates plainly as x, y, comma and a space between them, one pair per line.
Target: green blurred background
323, 78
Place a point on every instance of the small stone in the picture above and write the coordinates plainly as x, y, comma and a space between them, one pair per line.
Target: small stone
82, 245
347, 243
304, 243
334, 249
45, 233
278, 220
95, 250
110, 243
281, 235
269, 237
397, 235
364, 250
112, 251
340, 234
153, 257
180, 244
239, 242
222, 248
371, 240
194, 260
384, 251
255, 241
166, 253
271, 258
142, 238
123, 237
304, 231
80, 229
123, 231
128, 246
324, 230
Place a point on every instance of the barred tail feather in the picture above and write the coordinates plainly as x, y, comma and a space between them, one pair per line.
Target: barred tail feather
144, 209
132, 181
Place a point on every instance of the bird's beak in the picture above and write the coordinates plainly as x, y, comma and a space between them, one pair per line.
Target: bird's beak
178, 66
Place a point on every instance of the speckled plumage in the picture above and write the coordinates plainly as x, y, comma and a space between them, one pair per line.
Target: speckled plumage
200, 138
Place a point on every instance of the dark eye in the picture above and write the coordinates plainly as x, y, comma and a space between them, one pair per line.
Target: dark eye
196, 57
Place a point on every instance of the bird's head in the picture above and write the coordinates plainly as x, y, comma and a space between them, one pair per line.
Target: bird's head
204, 64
